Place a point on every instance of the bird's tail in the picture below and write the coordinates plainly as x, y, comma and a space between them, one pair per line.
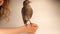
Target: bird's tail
25, 22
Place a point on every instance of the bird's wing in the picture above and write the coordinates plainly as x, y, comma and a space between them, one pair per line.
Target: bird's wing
23, 11
31, 12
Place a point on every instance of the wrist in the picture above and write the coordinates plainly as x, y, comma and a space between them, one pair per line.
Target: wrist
22, 29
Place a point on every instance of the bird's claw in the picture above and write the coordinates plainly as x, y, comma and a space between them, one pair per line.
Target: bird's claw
31, 24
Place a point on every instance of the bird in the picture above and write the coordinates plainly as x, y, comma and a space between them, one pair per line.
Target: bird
27, 12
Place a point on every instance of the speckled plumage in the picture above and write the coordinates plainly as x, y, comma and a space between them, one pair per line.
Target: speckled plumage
26, 11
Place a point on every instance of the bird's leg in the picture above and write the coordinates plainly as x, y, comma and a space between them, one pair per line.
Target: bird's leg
30, 22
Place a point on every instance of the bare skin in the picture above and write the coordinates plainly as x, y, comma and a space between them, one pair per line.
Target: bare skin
30, 29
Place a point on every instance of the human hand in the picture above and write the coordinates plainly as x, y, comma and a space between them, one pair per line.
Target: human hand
30, 28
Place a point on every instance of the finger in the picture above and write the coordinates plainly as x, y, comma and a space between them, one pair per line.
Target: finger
34, 25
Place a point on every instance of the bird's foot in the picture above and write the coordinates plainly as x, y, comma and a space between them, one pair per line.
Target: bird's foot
31, 24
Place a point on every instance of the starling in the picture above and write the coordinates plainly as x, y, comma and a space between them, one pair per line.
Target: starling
26, 12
